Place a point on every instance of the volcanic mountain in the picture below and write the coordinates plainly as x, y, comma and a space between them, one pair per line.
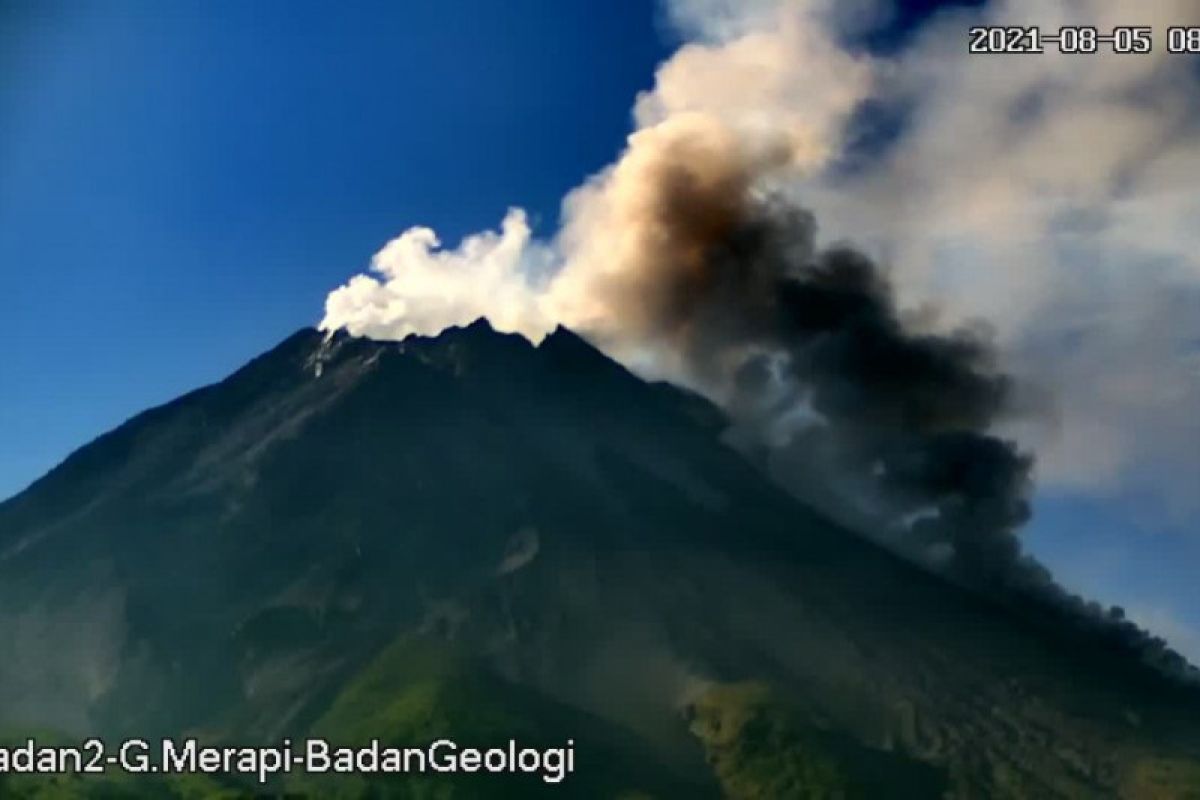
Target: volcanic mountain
474, 537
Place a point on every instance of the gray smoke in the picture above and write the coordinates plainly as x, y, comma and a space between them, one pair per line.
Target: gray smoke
692, 257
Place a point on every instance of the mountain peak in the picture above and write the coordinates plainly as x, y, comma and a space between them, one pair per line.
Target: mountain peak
480, 327
249, 546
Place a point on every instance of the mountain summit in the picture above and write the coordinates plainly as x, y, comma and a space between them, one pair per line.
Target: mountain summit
469, 535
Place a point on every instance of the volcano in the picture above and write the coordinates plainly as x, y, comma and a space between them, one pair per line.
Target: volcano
475, 537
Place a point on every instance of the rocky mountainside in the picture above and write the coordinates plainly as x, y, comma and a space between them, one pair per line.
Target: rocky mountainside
468, 534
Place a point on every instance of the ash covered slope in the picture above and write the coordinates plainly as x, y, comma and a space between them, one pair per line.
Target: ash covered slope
232, 561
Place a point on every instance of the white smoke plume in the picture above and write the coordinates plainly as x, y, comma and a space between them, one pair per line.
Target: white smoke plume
1053, 196
422, 289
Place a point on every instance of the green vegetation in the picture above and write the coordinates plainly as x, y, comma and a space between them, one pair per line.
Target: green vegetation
115, 786
414, 693
1163, 779
761, 749
417, 691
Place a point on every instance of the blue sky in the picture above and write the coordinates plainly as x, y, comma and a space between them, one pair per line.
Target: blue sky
182, 183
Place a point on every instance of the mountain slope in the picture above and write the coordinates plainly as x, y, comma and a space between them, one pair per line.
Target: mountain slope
231, 562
